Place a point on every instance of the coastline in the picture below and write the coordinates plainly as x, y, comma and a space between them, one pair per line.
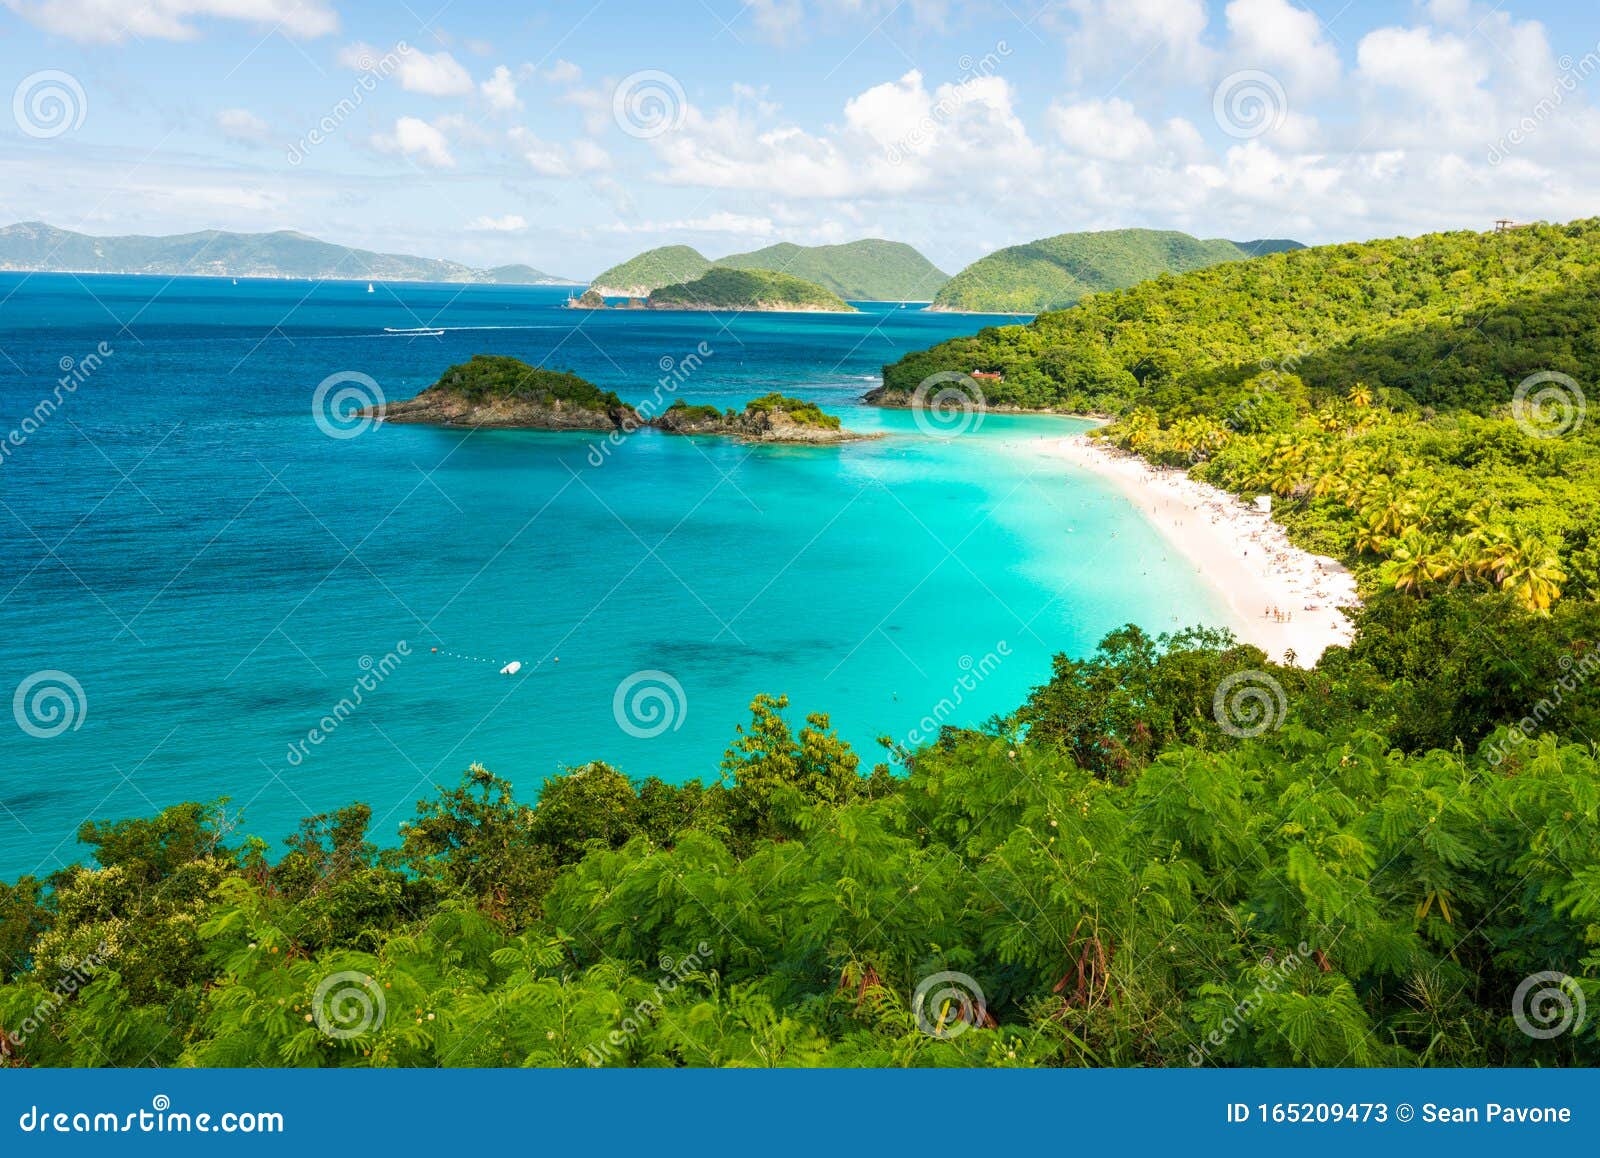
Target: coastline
1245, 556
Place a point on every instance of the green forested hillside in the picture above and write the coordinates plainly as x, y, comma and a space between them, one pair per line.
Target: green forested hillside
652, 269
868, 270
746, 289
1054, 272
1452, 319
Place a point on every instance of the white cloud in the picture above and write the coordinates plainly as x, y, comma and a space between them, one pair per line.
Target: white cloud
432, 74
510, 223
1160, 35
897, 137
418, 140
243, 125
563, 72
1108, 129
1439, 70
500, 90
553, 159
110, 21
1287, 41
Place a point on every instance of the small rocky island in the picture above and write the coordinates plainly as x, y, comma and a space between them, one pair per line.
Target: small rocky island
771, 418
747, 290
500, 392
493, 390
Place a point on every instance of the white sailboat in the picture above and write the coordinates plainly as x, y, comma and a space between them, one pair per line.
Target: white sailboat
369, 287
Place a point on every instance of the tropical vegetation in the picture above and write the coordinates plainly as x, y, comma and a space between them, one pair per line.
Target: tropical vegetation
871, 269
1054, 272
747, 289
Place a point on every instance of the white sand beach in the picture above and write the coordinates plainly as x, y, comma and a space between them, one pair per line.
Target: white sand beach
1238, 550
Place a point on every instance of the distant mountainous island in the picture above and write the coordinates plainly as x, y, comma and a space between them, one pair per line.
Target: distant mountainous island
1054, 272
867, 270
37, 247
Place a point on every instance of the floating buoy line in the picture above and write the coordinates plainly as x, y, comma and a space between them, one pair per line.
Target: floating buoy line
511, 667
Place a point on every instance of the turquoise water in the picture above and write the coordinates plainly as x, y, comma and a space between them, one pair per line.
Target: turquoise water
216, 572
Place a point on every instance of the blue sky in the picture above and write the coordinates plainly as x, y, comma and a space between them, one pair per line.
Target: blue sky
572, 135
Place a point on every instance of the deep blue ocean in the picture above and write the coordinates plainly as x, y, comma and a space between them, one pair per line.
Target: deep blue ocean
197, 572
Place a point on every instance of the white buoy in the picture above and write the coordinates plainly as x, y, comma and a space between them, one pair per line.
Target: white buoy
512, 668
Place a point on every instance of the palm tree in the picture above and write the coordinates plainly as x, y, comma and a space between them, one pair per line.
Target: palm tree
1533, 574
1461, 561
1411, 566
1360, 396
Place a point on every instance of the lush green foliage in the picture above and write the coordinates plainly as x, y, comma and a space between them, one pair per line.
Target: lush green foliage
1054, 272
1451, 320
497, 375
858, 271
654, 268
799, 410
866, 270
733, 289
